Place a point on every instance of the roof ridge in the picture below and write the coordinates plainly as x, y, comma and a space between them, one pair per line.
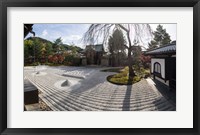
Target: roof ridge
164, 49
161, 47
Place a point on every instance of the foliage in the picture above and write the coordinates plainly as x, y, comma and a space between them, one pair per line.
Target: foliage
131, 31
116, 42
161, 37
57, 45
35, 64
122, 77
137, 52
53, 59
28, 46
152, 45
72, 60
56, 59
122, 80
38, 50
116, 47
145, 60
49, 49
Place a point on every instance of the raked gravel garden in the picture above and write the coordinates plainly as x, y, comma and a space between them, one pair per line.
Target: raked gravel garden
66, 88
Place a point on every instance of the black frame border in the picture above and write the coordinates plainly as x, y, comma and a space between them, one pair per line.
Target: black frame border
99, 3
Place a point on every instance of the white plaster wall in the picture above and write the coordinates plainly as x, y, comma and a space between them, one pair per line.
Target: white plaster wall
162, 63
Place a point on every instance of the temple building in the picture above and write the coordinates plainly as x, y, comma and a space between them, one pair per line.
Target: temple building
93, 55
163, 64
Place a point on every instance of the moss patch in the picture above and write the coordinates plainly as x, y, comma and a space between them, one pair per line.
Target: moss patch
122, 78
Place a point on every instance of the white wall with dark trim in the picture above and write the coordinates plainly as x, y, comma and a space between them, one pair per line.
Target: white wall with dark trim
162, 64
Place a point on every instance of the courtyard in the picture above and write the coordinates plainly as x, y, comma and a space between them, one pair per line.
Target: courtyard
85, 88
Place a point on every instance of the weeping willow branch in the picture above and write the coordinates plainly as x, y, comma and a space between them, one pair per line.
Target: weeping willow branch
132, 31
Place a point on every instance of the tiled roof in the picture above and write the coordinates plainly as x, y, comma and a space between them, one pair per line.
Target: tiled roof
97, 48
167, 49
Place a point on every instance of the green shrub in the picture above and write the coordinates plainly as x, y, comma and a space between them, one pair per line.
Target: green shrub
136, 79
147, 73
35, 64
122, 78
126, 68
71, 60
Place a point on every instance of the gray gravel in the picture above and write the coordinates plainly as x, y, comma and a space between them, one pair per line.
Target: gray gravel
94, 92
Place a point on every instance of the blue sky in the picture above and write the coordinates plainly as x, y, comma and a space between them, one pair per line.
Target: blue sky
72, 33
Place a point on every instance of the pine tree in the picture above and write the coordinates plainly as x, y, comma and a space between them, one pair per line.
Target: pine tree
161, 37
116, 46
153, 44
56, 45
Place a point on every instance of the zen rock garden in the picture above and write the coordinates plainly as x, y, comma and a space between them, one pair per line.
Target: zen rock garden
86, 89
120, 74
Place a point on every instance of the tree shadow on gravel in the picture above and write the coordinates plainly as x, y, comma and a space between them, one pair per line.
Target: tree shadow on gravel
88, 84
126, 102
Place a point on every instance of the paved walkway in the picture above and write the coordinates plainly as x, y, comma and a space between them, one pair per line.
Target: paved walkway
88, 90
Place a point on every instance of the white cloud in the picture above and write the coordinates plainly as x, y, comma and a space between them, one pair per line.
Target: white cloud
72, 38
44, 33
75, 37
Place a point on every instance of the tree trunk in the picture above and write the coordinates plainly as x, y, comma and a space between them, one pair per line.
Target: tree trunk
118, 59
130, 64
131, 71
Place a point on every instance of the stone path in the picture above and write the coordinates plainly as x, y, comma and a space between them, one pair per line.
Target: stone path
90, 91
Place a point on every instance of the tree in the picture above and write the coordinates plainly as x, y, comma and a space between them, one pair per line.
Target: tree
57, 45
152, 45
116, 45
132, 32
49, 50
119, 43
161, 37
38, 48
111, 50
28, 49
146, 60
137, 52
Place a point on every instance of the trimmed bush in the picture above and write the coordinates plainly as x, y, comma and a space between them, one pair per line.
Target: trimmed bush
122, 77
123, 80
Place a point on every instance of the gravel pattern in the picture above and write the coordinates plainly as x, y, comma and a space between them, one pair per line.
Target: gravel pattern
43, 106
95, 92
